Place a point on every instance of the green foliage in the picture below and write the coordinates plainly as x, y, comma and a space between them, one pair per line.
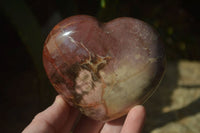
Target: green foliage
27, 26
103, 3
29, 30
109, 10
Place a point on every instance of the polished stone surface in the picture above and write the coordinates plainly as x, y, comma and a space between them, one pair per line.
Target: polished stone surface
104, 69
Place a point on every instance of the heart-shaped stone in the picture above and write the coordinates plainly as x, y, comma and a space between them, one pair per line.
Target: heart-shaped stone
104, 69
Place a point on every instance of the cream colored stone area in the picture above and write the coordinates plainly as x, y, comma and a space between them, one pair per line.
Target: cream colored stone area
126, 87
175, 107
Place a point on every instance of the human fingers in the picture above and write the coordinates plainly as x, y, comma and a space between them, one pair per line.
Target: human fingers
114, 126
50, 120
87, 125
134, 120
72, 119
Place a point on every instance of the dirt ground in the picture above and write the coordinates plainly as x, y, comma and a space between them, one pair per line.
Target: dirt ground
175, 106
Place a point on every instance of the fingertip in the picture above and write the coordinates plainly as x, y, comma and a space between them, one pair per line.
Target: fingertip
137, 113
134, 120
60, 101
138, 109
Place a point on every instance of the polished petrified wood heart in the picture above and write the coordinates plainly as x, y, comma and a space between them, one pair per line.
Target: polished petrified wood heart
104, 69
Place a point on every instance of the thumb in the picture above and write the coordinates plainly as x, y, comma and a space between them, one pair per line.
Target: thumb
51, 119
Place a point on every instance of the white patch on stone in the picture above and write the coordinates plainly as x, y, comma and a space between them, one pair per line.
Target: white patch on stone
83, 82
90, 90
152, 60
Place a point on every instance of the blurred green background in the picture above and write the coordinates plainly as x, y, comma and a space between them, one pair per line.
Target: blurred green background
25, 89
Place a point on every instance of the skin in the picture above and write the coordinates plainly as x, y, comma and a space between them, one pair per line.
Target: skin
61, 118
